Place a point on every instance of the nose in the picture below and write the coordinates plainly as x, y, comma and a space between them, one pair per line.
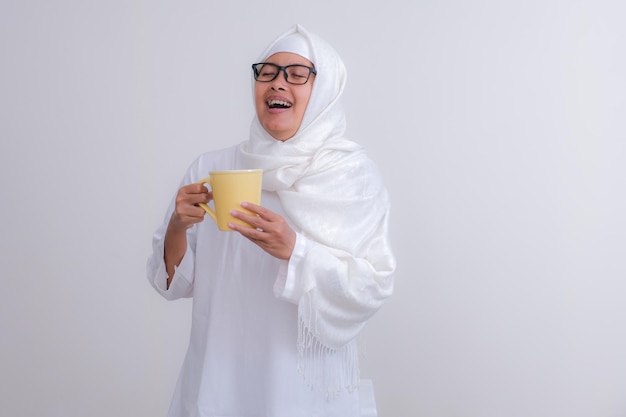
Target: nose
279, 82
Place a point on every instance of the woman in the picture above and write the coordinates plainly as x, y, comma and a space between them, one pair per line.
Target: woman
277, 308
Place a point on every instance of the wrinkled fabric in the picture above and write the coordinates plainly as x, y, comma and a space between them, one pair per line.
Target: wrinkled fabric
277, 338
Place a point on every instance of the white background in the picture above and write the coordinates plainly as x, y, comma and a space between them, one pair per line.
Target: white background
499, 127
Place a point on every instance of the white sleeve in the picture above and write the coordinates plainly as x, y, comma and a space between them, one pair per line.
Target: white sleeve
337, 292
181, 285
287, 286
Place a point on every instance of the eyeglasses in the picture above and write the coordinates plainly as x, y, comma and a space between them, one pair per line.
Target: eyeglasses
294, 74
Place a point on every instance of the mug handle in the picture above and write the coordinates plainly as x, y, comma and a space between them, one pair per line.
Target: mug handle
205, 206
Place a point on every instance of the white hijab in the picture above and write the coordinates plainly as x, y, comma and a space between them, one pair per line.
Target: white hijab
322, 129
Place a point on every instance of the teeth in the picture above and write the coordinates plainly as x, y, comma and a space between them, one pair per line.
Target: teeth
278, 103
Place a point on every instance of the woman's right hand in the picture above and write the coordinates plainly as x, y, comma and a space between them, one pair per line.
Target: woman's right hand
187, 211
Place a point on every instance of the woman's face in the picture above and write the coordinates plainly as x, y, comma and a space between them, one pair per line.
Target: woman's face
283, 120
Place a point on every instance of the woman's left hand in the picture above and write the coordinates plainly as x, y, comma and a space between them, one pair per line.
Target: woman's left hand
269, 230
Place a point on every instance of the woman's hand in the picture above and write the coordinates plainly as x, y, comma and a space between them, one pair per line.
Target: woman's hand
269, 230
187, 212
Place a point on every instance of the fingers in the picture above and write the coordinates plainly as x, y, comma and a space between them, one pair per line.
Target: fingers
187, 212
193, 194
269, 230
260, 219
258, 236
261, 211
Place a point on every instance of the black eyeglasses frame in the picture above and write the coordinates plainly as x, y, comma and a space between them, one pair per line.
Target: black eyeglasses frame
280, 68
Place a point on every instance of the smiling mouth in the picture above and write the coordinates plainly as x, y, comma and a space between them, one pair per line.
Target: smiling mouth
278, 104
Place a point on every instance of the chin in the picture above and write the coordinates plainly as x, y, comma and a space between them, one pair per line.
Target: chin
280, 134
281, 138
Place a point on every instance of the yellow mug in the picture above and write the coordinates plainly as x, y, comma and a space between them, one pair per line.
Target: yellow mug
230, 189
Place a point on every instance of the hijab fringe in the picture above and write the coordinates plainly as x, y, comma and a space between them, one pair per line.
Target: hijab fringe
326, 370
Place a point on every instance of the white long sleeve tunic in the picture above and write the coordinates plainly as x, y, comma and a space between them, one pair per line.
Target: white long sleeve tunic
242, 359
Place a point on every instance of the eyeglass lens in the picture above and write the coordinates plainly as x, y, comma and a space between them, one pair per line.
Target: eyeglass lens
295, 74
